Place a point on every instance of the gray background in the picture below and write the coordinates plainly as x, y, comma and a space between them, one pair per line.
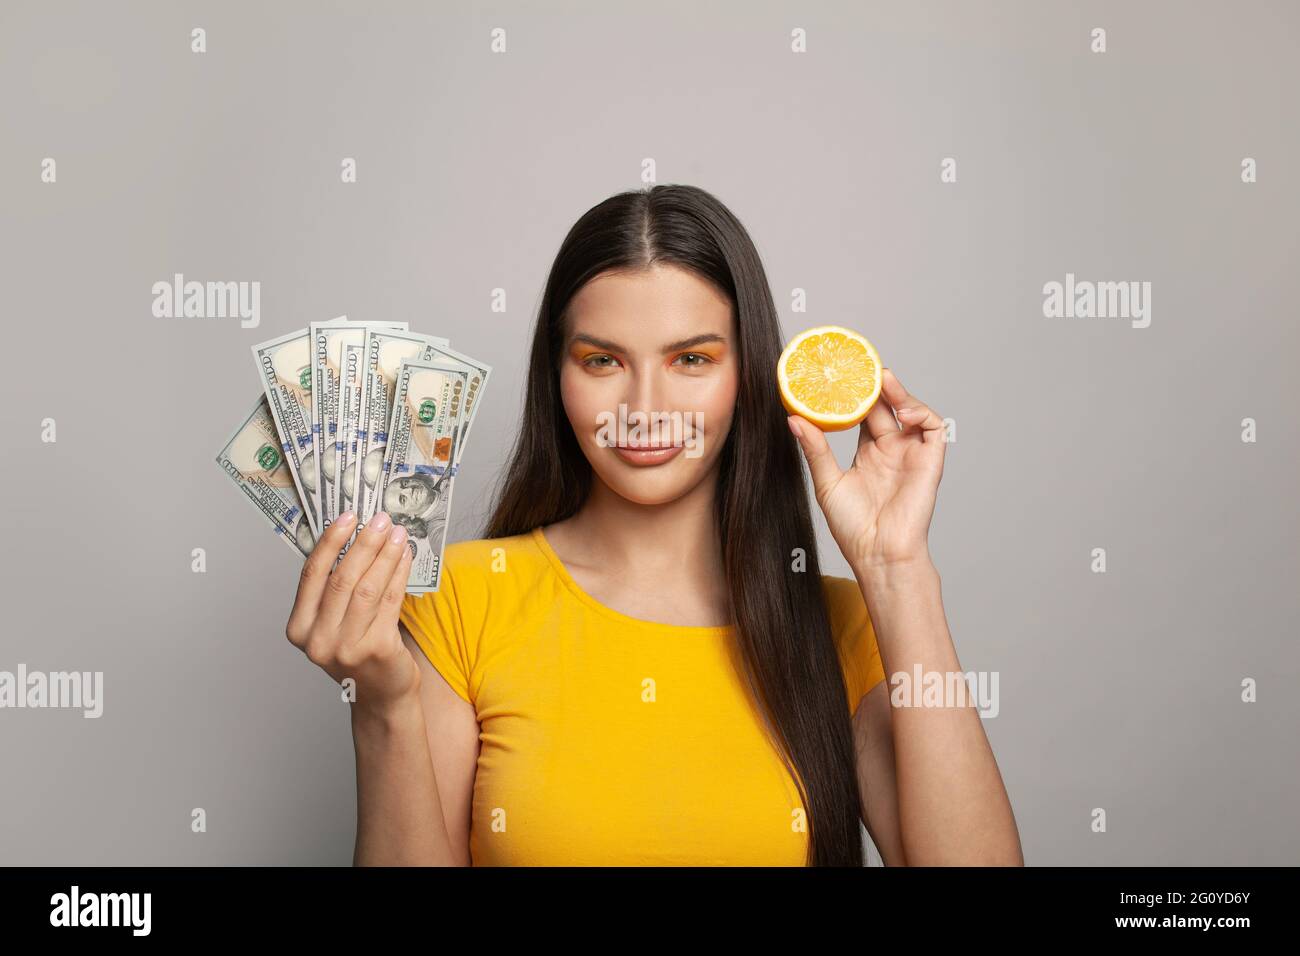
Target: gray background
1118, 690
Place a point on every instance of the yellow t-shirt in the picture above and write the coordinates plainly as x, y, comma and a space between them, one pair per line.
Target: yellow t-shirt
606, 740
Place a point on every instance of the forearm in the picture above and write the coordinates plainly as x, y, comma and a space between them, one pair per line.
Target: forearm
953, 807
399, 814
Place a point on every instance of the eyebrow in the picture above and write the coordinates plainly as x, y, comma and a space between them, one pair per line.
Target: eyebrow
670, 347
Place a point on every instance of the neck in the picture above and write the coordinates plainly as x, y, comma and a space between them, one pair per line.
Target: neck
676, 538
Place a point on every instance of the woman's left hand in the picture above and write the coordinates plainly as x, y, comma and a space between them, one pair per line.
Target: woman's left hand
879, 510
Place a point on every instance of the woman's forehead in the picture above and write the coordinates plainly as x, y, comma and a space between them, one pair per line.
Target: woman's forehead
648, 309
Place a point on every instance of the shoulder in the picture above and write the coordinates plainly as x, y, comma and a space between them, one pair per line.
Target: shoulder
854, 635
478, 554
848, 612
493, 562
486, 583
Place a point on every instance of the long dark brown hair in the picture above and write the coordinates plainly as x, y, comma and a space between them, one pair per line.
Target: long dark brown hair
784, 648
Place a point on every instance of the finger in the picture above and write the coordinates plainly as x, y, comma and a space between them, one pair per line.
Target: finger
911, 411
370, 589
880, 420
920, 416
822, 466
390, 606
343, 580
315, 572
891, 389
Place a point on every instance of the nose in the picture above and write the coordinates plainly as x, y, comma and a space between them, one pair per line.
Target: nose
647, 393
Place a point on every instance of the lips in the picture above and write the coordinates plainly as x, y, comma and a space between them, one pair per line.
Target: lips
644, 456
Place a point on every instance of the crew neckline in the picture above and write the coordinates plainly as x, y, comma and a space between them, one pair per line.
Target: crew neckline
563, 574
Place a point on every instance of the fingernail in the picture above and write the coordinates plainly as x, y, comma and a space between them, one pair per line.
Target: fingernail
380, 522
908, 412
346, 517
398, 535
794, 426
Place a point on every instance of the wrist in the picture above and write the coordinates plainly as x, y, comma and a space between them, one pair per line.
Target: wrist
883, 576
388, 714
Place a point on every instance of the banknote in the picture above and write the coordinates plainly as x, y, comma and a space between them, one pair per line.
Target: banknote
384, 350
416, 480
284, 368
352, 395
477, 383
358, 416
255, 462
328, 340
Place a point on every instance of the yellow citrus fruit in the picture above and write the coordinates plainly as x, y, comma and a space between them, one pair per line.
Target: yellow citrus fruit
830, 376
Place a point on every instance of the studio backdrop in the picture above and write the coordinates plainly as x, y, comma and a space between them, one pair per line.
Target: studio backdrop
1070, 227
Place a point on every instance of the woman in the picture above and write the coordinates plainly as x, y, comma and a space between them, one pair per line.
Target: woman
640, 662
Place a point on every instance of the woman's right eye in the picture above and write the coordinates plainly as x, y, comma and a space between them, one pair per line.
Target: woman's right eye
594, 361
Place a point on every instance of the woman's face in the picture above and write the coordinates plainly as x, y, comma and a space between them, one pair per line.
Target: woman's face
660, 343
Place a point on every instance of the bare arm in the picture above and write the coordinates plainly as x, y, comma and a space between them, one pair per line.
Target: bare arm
415, 775
399, 814
950, 806
345, 619
873, 739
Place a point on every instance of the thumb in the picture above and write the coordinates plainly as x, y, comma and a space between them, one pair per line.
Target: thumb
821, 460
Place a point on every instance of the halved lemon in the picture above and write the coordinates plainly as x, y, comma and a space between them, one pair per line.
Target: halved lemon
830, 376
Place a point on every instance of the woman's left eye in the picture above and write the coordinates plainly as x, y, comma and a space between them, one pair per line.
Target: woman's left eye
703, 359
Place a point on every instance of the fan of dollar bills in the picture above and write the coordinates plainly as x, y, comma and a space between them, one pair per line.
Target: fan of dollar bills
361, 417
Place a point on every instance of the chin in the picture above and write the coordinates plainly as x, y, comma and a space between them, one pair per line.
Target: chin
639, 494
651, 486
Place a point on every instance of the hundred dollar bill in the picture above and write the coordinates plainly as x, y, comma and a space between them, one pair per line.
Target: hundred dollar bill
384, 350
285, 370
328, 340
477, 384
253, 459
351, 398
416, 482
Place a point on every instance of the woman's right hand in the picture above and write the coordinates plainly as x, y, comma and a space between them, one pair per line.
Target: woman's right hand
345, 619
